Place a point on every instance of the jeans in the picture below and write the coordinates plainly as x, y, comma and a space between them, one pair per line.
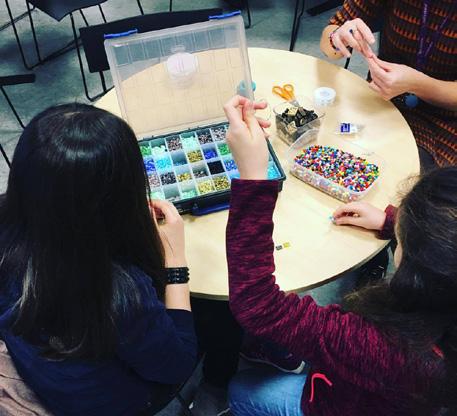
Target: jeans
266, 392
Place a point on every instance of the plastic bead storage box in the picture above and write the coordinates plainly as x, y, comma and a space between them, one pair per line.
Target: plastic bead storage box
171, 86
339, 168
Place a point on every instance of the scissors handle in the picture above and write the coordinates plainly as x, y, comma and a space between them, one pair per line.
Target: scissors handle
289, 88
281, 92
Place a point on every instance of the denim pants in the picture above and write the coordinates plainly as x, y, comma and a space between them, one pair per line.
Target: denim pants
266, 392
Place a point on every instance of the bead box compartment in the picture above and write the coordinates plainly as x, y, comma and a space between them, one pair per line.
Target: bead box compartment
351, 153
194, 168
288, 131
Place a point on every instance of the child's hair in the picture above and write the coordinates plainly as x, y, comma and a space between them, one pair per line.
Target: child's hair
418, 305
74, 220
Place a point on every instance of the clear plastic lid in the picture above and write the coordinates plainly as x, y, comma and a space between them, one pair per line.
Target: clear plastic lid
179, 78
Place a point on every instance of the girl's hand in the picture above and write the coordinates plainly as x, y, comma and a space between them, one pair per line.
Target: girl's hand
171, 229
355, 34
360, 214
246, 137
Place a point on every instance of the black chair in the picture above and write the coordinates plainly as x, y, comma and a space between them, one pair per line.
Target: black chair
92, 37
313, 12
13, 80
56, 9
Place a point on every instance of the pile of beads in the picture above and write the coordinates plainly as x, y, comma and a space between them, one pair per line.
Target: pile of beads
157, 195
204, 137
294, 121
215, 167
273, 172
189, 194
224, 149
174, 143
221, 183
334, 171
210, 153
167, 178
194, 156
145, 150
230, 165
189, 142
153, 180
186, 176
205, 187
158, 150
164, 163
200, 173
219, 133
149, 165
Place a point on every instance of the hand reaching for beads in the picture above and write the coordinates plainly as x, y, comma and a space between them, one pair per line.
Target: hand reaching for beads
360, 214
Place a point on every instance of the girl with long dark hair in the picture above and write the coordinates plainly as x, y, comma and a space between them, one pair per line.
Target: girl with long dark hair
88, 306
390, 349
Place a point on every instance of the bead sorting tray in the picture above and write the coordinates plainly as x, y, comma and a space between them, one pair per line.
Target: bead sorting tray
194, 168
342, 169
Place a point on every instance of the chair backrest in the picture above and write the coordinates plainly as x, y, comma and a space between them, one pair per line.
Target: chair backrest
58, 9
92, 37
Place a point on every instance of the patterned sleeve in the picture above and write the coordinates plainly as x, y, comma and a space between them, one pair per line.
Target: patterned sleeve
367, 10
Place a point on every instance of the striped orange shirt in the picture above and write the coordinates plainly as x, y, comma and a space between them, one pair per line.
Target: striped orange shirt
434, 128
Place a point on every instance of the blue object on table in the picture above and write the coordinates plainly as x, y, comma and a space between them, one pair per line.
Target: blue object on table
225, 15
120, 35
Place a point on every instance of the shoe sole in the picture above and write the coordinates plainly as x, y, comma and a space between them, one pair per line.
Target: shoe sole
297, 370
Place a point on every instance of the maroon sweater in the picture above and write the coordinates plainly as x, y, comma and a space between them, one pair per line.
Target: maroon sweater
355, 370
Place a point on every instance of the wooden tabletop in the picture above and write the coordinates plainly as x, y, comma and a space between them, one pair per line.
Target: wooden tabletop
319, 251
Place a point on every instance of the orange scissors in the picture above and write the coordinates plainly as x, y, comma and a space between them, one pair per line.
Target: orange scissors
287, 91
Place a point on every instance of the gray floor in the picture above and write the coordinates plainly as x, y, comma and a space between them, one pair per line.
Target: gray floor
59, 81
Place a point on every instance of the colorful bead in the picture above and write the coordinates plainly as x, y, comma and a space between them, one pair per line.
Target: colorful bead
149, 165
218, 133
189, 142
145, 150
194, 156
215, 167
200, 173
210, 153
230, 165
204, 136
153, 180
174, 143
340, 174
167, 178
205, 187
221, 183
224, 149
159, 150
157, 195
182, 177
163, 164
273, 172
189, 194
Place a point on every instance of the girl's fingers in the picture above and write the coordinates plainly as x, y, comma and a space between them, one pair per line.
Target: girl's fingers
365, 31
337, 41
349, 220
348, 209
263, 123
232, 110
167, 209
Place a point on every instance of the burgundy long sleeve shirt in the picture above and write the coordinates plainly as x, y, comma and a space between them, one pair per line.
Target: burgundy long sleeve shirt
355, 369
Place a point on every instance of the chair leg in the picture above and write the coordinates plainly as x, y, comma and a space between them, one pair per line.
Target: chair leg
35, 40
12, 107
2, 150
84, 18
296, 24
248, 10
185, 407
16, 35
140, 7
16, 19
103, 14
171, 6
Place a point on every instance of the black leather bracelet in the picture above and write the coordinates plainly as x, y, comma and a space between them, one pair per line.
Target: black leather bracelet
177, 275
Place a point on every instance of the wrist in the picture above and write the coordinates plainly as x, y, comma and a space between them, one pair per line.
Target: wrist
381, 222
418, 81
176, 261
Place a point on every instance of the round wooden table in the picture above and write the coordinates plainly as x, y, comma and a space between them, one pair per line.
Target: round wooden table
319, 251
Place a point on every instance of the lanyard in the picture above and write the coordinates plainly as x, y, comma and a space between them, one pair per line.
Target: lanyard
423, 52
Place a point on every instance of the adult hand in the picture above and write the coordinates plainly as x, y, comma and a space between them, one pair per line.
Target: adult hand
246, 137
171, 230
355, 34
360, 214
391, 80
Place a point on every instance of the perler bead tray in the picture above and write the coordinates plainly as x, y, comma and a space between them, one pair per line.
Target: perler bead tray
345, 172
194, 168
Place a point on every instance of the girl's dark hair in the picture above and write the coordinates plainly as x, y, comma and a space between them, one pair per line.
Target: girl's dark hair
417, 307
74, 220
